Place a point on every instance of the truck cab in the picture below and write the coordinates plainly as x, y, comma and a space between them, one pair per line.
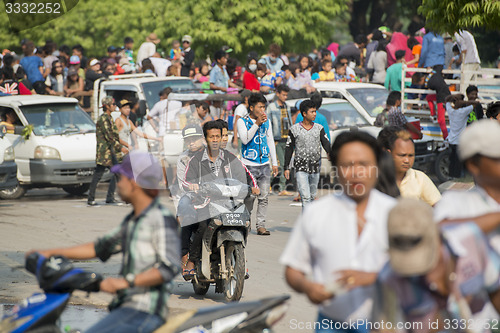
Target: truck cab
57, 148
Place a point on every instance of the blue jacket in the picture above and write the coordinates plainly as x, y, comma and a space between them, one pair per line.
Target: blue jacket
257, 149
320, 119
432, 51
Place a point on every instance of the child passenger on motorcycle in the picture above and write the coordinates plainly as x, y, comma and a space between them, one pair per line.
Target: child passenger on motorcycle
207, 165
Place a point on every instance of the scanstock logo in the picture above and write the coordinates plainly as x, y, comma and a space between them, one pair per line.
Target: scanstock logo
26, 14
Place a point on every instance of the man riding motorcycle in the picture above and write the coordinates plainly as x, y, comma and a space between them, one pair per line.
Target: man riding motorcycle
208, 165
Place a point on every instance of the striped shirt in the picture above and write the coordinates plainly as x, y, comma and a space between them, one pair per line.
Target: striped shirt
146, 241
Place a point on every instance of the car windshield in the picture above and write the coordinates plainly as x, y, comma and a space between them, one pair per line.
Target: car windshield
371, 99
341, 115
55, 119
152, 89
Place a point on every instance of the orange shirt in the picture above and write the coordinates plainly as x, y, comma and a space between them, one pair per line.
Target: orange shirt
417, 49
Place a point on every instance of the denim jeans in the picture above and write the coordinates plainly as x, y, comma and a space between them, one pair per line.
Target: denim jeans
307, 184
98, 173
262, 175
327, 325
127, 320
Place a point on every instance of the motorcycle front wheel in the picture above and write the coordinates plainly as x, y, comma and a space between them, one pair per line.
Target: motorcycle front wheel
235, 266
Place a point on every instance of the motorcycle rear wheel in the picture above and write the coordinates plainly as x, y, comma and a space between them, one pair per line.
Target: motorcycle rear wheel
235, 265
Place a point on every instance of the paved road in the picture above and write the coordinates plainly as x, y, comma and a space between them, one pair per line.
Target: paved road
50, 217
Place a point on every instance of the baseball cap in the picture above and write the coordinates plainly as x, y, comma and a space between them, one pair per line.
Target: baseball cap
481, 137
191, 130
124, 102
94, 62
187, 38
73, 60
414, 238
141, 167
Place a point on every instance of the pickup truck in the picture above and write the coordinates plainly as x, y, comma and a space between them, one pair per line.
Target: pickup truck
59, 151
8, 167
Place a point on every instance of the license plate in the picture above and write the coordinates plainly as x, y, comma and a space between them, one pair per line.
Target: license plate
233, 219
85, 173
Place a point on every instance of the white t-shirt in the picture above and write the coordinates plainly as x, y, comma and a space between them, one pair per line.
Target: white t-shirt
325, 240
467, 43
241, 111
458, 121
468, 204
146, 50
161, 66
166, 118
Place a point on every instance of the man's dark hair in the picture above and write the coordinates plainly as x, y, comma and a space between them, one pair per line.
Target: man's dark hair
377, 35
387, 136
493, 110
354, 136
470, 89
78, 47
219, 54
400, 54
317, 100
203, 104
360, 39
64, 49
393, 97
325, 52
412, 42
128, 40
281, 88
223, 123
306, 106
212, 124
456, 48
256, 98
275, 49
341, 57
166, 91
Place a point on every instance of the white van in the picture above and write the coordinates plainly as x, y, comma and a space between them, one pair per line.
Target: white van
60, 151
8, 167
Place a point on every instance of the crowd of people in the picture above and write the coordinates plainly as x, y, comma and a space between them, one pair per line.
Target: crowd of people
385, 247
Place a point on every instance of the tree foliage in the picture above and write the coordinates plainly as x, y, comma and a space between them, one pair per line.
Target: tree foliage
243, 25
452, 15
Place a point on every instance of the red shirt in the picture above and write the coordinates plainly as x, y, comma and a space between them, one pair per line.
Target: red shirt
250, 82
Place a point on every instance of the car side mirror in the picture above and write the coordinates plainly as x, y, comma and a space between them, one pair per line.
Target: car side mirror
3, 131
18, 130
142, 108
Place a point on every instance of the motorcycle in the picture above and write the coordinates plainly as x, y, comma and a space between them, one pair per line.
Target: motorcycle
58, 278
223, 244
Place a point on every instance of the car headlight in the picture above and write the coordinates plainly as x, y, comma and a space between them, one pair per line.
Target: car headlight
8, 154
430, 146
46, 153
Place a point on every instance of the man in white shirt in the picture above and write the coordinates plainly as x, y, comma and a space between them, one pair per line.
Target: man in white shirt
161, 65
257, 152
339, 243
147, 49
470, 56
479, 151
163, 113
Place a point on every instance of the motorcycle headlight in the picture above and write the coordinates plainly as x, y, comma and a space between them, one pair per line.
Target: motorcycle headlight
8, 154
46, 153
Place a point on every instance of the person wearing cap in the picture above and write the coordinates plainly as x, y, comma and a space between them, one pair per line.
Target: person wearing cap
436, 277
210, 164
112, 54
126, 127
187, 55
219, 79
74, 85
74, 62
150, 244
480, 153
108, 151
411, 183
148, 48
341, 238
93, 73
195, 142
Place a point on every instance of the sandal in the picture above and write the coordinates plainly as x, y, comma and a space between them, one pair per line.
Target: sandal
188, 274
